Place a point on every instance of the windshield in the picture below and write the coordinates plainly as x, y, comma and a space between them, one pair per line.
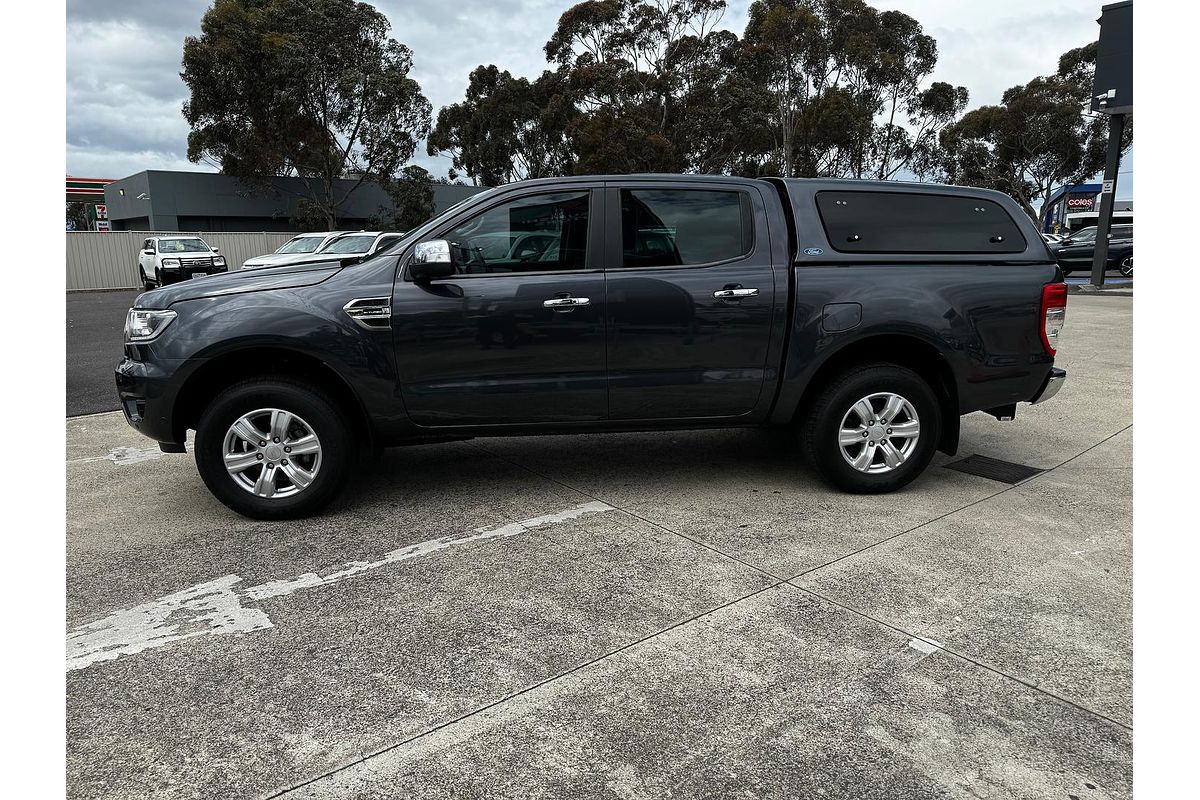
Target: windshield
302, 244
182, 246
1085, 235
349, 244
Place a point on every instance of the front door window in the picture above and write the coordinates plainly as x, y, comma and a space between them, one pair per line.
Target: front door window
542, 233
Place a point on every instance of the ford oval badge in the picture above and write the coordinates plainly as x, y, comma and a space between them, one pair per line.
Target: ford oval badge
813, 251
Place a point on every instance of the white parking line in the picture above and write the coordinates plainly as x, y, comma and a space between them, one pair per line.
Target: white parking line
215, 607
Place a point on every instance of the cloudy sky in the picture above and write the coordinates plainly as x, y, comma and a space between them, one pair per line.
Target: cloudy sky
124, 93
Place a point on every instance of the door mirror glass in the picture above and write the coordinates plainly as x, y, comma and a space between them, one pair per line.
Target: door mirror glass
431, 260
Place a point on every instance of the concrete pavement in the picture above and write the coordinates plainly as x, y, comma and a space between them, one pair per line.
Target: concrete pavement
634, 615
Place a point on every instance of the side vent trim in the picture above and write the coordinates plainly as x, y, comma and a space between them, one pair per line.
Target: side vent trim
372, 313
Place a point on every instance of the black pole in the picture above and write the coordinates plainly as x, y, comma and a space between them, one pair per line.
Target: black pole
1112, 163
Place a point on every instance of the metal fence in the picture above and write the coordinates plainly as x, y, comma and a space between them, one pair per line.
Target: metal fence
109, 260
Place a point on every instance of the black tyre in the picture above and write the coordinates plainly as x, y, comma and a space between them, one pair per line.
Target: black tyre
872, 429
158, 277
1126, 266
147, 284
274, 448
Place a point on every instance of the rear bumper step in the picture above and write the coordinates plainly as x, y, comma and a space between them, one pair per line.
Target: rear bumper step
1054, 382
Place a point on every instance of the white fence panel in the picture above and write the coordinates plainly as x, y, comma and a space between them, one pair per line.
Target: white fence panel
109, 260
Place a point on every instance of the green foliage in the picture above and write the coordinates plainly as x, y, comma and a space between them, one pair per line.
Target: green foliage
654, 86
1037, 139
412, 201
507, 128
828, 71
312, 88
77, 216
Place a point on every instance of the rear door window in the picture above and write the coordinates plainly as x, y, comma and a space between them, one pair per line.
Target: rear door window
684, 227
909, 222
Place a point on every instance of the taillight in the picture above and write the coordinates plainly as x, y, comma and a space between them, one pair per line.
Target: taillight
1054, 314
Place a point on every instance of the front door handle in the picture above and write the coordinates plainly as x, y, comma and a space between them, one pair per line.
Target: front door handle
734, 293
566, 303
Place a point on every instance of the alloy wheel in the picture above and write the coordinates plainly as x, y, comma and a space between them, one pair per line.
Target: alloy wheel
879, 432
272, 453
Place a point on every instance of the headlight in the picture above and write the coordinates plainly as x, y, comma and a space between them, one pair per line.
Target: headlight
218, 261
170, 262
144, 325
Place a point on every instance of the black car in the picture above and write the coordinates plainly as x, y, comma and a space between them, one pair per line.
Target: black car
861, 318
1075, 253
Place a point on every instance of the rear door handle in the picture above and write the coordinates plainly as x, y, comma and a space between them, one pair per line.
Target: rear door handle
566, 303
729, 293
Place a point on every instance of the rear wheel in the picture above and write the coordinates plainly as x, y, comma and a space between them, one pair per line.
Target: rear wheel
1126, 266
872, 429
273, 449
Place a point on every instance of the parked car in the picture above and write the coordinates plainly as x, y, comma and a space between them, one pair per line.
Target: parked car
358, 243
862, 318
1075, 252
296, 249
168, 259
1052, 238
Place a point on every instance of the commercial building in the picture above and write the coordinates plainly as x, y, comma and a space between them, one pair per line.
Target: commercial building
1075, 207
159, 200
90, 192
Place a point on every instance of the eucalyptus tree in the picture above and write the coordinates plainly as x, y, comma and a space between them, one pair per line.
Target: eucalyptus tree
311, 88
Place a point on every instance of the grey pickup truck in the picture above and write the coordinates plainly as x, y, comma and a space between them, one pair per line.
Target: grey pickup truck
861, 318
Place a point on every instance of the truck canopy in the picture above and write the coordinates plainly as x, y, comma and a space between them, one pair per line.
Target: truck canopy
841, 221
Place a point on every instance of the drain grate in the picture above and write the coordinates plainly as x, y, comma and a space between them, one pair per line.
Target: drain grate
994, 468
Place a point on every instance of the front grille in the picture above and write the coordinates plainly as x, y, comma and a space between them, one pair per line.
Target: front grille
192, 263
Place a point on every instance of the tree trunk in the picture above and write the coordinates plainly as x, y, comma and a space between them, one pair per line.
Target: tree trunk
887, 141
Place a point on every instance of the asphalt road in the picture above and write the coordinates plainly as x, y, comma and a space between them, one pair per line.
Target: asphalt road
95, 336
680, 614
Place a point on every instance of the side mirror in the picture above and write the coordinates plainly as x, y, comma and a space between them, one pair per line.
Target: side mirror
431, 260
214, 249
148, 252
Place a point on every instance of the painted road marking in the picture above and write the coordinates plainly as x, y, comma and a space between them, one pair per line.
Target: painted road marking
926, 646
215, 608
123, 456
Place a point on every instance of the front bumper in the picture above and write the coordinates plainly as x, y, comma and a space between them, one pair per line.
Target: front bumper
177, 274
1051, 385
144, 392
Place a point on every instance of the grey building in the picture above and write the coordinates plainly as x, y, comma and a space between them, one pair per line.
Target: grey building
158, 200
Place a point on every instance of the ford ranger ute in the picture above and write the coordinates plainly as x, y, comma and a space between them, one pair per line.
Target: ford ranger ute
861, 318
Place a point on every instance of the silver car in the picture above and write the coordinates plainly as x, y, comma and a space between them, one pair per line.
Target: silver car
296, 249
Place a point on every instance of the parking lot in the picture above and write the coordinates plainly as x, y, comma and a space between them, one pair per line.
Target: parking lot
631, 615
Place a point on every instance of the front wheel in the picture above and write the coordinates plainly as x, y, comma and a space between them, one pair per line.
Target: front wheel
872, 429
147, 284
273, 449
1126, 266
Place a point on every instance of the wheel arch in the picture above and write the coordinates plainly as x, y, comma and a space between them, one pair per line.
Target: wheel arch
904, 350
221, 371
